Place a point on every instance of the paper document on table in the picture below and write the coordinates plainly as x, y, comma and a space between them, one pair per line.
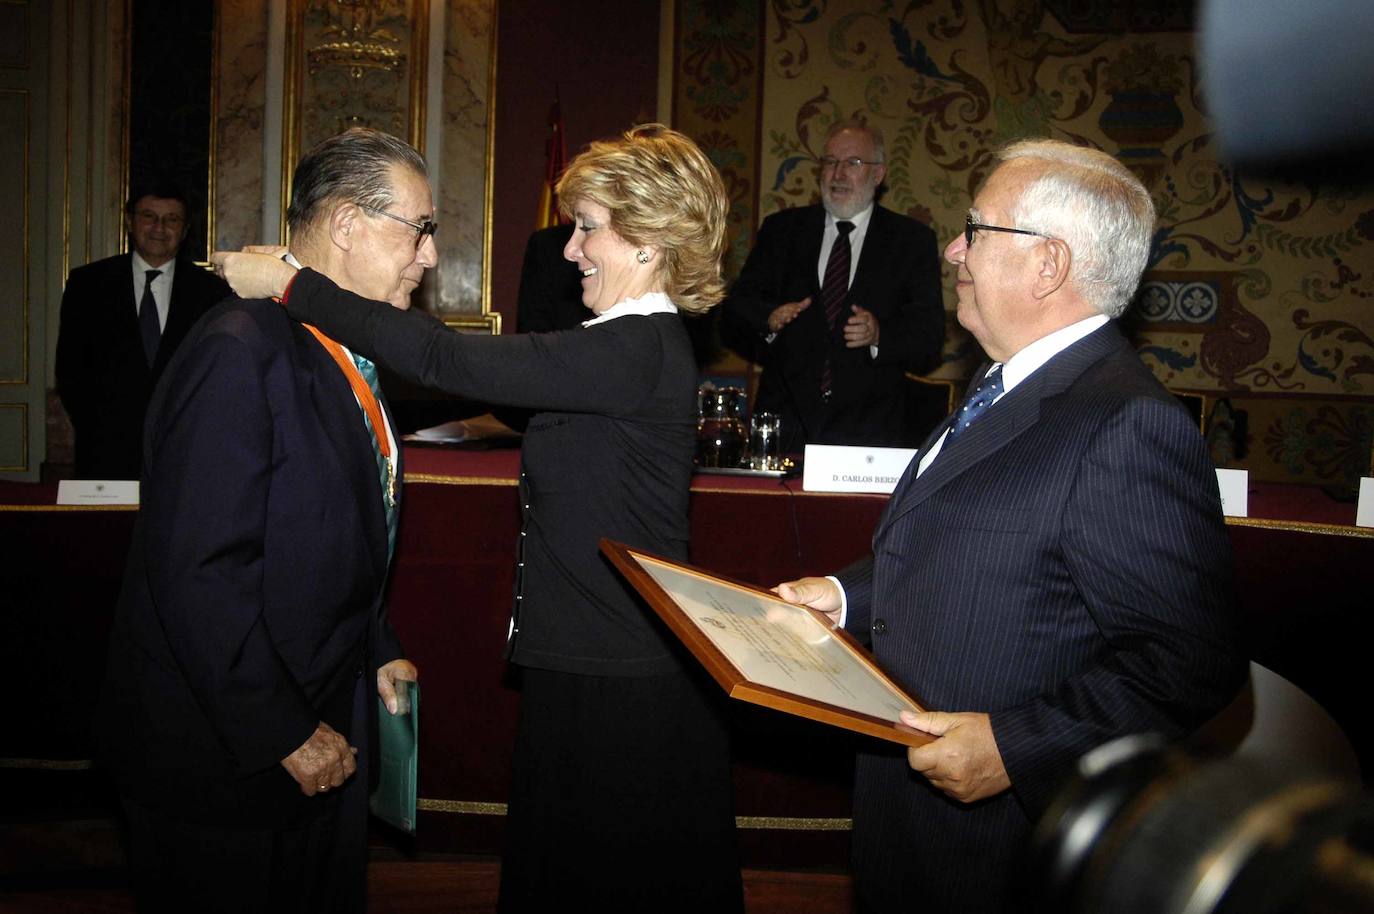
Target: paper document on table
447, 433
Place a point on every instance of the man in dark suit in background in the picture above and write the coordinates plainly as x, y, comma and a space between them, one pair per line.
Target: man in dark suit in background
550, 296
842, 299
251, 631
1052, 570
122, 318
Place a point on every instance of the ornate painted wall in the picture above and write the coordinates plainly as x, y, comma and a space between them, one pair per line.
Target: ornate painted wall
373, 63
1258, 294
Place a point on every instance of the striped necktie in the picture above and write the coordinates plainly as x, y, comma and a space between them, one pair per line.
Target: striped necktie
834, 291
369, 372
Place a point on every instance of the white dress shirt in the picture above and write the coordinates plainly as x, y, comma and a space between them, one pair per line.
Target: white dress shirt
648, 303
161, 286
856, 243
1014, 371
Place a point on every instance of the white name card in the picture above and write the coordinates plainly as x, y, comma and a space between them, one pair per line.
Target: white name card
97, 492
1364, 509
1235, 492
837, 468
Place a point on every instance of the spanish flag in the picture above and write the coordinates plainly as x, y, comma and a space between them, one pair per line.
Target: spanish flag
555, 158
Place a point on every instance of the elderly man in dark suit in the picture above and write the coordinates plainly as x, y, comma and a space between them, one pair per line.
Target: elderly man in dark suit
122, 318
1052, 571
236, 717
842, 299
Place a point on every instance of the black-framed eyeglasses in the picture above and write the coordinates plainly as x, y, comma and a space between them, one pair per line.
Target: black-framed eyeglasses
422, 229
830, 162
970, 227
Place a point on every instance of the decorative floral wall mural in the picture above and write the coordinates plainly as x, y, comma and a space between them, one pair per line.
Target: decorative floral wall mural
1258, 295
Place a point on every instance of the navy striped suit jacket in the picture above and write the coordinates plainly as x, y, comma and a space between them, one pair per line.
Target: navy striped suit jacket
1063, 565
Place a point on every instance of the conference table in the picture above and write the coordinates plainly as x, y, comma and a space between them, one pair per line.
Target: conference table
1304, 582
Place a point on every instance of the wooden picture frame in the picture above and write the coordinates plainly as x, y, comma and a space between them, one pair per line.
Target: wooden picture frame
761, 649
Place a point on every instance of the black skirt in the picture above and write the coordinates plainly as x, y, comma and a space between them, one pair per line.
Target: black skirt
621, 798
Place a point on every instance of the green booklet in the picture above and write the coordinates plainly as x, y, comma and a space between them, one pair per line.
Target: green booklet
399, 738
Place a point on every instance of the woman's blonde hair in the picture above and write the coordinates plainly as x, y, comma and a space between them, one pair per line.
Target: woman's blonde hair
663, 192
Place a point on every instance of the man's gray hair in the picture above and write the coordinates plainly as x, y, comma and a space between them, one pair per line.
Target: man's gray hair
875, 135
354, 166
1098, 207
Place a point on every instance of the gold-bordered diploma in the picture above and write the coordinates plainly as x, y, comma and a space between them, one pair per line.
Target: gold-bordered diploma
764, 650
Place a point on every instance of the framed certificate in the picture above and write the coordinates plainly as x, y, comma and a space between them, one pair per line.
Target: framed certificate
764, 650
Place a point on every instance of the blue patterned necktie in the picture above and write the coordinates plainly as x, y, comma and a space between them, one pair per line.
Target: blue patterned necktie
988, 389
369, 373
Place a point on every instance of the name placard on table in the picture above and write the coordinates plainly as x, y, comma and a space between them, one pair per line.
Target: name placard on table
1235, 492
97, 492
839, 468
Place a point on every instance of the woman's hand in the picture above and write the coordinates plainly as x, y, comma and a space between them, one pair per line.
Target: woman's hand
255, 272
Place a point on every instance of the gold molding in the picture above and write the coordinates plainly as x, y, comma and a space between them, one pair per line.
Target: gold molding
795, 823
491, 320
23, 437
67, 151
124, 129
439, 479
292, 87
1301, 526
92, 133
487, 321
212, 145
25, 259
776, 823
464, 807
419, 73
356, 55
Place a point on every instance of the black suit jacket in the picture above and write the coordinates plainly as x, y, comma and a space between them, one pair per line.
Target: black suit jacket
1064, 566
103, 376
252, 598
897, 278
550, 296
549, 299
607, 453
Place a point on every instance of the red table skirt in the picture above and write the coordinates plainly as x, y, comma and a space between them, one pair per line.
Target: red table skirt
1304, 583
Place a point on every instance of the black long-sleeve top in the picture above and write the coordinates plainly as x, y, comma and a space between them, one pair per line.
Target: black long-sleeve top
608, 453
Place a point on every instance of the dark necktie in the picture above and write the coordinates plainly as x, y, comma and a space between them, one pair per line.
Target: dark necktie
977, 403
148, 326
834, 290
369, 372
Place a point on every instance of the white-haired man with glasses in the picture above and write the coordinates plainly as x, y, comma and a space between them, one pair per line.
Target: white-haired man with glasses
251, 635
1053, 570
838, 301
